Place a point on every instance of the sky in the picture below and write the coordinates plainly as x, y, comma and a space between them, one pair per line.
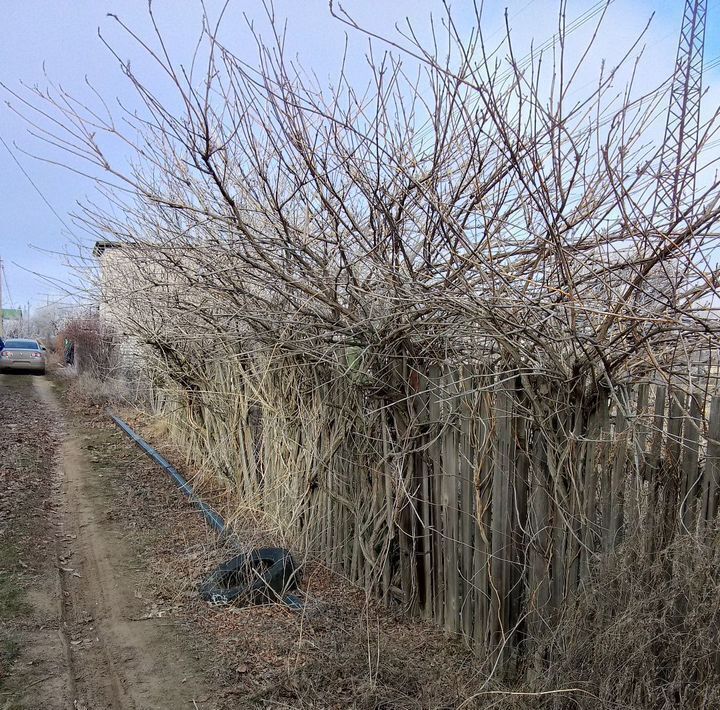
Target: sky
57, 40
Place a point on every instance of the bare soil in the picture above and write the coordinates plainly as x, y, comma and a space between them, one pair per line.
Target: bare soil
77, 632
104, 556
343, 650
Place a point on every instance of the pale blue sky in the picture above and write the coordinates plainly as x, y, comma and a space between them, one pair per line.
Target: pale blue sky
61, 36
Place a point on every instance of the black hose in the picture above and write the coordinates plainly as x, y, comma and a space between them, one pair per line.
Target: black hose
282, 580
212, 516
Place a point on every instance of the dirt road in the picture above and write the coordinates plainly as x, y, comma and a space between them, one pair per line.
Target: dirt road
100, 560
76, 628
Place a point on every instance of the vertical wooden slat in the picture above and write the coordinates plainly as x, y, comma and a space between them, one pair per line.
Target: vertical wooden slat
671, 478
424, 468
597, 429
574, 506
539, 529
520, 490
500, 516
326, 512
408, 566
483, 477
653, 465
467, 496
689, 461
405, 490
637, 453
561, 512
617, 483
438, 546
559, 531
337, 522
605, 476
711, 473
388, 507
642, 429
450, 478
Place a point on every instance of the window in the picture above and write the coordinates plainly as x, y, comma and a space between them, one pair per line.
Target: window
21, 345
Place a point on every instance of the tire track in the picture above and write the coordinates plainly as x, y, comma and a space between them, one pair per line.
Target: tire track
118, 658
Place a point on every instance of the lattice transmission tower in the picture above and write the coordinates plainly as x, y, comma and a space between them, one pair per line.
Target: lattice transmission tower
678, 159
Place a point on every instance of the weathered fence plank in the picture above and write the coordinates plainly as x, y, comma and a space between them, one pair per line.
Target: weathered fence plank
450, 497
467, 507
690, 475
501, 519
450, 478
711, 473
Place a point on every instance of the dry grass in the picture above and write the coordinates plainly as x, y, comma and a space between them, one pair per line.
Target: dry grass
89, 389
312, 271
344, 650
643, 633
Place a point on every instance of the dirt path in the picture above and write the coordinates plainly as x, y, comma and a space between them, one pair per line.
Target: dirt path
93, 646
109, 557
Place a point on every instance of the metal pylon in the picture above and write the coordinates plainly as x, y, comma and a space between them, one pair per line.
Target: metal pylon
678, 162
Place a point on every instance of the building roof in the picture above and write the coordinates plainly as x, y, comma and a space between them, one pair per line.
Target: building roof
101, 246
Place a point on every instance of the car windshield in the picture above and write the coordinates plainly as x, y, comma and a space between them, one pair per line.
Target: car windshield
21, 345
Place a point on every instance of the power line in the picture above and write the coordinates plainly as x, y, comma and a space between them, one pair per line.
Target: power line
527, 60
576, 24
711, 65
37, 189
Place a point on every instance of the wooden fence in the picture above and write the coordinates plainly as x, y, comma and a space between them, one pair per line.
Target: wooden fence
453, 500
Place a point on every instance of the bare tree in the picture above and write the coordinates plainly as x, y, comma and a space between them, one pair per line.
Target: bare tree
406, 322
